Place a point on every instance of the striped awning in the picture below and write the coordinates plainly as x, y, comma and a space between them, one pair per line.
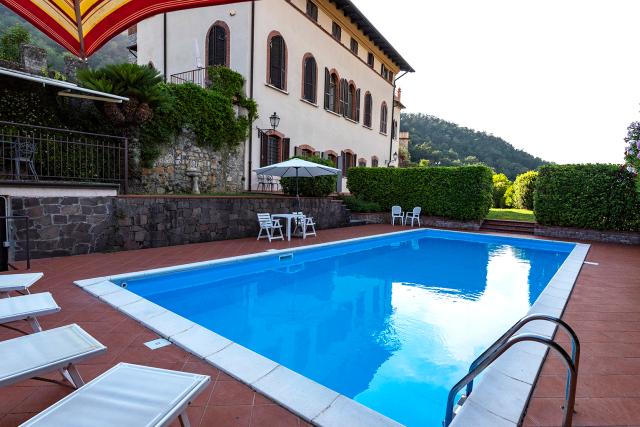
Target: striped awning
83, 26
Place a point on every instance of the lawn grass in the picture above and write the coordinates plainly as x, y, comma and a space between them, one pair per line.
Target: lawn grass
512, 215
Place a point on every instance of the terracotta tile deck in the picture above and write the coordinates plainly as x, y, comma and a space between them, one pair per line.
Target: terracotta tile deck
604, 309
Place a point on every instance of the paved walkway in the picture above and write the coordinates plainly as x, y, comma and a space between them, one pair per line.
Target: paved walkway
604, 309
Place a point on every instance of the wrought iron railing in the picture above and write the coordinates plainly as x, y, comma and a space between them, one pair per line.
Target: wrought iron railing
197, 76
38, 153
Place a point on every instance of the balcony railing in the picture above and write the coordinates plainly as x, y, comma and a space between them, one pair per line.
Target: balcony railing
197, 76
38, 153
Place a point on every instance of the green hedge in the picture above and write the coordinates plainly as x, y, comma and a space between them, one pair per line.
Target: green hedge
593, 196
463, 193
524, 188
320, 186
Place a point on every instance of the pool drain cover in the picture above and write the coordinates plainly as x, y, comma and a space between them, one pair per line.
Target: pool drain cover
156, 344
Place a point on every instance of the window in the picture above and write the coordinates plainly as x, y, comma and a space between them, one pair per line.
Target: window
370, 59
352, 102
362, 163
334, 159
310, 79
336, 31
273, 149
390, 76
344, 97
349, 160
374, 162
383, 117
218, 45
368, 105
354, 45
312, 10
384, 72
331, 91
277, 62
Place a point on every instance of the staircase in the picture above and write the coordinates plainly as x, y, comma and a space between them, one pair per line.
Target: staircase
503, 226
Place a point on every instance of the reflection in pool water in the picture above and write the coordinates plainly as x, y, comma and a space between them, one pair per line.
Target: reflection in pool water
393, 326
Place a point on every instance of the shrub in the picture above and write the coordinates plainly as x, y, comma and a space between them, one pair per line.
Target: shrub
463, 193
523, 189
355, 204
593, 196
508, 197
500, 185
320, 186
10, 42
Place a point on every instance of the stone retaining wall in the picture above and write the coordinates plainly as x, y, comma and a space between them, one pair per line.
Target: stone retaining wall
626, 238
426, 221
61, 226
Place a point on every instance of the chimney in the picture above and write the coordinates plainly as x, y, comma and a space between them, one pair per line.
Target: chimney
33, 59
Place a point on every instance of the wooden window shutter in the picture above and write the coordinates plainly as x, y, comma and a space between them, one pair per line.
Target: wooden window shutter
297, 152
344, 89
219, 45
286, 145
264, 147
277, 66
354, 162
327, 88
358, 105
342, 163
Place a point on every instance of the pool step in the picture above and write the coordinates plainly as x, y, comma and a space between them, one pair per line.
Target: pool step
504, 226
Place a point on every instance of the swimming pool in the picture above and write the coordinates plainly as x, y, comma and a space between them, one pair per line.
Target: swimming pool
391, 322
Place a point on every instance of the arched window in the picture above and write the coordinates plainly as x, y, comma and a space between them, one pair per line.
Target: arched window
310, 79
274, 148
333, 156
331, 91
218, 45
368, 105
362, 163
352, 102
374, 161
277, 61
383, 117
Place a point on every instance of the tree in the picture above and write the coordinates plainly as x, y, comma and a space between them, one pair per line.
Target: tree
11, 40
523, 189
500, 186
632, 151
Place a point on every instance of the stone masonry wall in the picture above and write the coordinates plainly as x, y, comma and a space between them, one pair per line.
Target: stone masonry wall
219, 171
426, 221
61, 226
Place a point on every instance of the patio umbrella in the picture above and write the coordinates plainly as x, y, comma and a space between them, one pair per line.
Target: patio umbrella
297, 168
83, 26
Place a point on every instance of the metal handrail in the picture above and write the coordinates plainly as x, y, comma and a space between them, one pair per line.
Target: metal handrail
570, 399
575, 343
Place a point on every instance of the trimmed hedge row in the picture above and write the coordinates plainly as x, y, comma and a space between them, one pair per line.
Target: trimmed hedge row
462, 193
593, 196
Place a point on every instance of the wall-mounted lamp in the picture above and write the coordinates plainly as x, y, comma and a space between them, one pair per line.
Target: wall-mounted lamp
275, 121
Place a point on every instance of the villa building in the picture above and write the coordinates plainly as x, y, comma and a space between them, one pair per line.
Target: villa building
319, 65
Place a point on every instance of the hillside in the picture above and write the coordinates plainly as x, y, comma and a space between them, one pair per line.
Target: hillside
114, 51
448, 144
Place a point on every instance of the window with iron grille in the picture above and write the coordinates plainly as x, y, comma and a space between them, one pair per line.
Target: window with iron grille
217, 46
277, 62
312, 10
354, 45
336, 31
370, 59
310, 71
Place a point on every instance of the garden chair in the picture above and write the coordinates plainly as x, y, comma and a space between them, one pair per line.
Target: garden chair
262, 182
269, 226
27, 307
413, 216
270, 182
24, 151
127, 395
307, 222
396, 213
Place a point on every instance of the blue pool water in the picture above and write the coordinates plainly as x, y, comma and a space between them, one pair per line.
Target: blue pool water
392, 322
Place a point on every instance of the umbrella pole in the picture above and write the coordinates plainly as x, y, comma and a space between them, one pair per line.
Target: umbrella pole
297, 192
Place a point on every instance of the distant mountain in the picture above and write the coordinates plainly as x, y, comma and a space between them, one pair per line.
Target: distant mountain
115, 51
449, 144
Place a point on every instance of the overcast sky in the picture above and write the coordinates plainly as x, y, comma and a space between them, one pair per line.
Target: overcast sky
559, 79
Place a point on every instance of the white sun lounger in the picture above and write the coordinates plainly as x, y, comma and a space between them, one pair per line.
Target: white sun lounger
126, 395
17, 282
45, 352
27, 307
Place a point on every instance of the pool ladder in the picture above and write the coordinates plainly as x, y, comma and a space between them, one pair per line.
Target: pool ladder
508, 340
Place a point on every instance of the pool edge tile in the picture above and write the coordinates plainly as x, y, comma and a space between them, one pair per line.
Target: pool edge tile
242, 363
200, 341
347, 412
296, 392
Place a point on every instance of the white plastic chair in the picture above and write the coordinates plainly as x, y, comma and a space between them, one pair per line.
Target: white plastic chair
27, 307
17, 283
127, 395
307, 222
413, 216
396, 213
269, 226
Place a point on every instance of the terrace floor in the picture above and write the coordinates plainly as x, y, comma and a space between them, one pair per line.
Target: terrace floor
604, 309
